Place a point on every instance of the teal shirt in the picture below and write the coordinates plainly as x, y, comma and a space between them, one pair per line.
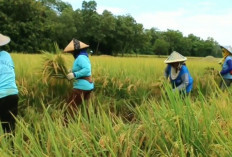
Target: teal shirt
7, 75
82, 68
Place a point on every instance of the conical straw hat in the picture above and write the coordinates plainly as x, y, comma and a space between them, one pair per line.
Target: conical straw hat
75, 45
175, 57
4, 40
228, 48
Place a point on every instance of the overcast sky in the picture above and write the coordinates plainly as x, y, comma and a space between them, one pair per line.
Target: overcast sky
203, 18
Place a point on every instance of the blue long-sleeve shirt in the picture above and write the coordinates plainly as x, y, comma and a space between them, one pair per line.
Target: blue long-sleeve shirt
7, 75
183, 81
82, 68
226, 68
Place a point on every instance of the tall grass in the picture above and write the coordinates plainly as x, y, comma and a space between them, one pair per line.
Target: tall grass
132, 112
172, 127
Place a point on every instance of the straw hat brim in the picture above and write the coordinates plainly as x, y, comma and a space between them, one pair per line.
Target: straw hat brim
223, 47
70, 47
175, 57
4, 40
174, 61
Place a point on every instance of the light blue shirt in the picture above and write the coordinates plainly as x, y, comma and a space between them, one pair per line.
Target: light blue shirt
7, 75
82, 68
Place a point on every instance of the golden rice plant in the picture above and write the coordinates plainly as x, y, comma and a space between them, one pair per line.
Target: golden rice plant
53, 67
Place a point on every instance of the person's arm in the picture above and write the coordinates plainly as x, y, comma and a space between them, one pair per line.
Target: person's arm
184, 84
225, 71
167, 71
85, 69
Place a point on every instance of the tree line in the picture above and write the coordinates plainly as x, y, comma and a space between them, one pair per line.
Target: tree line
35, 25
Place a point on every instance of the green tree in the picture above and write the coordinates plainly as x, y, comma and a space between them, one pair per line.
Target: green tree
65, 27
79, 24
174, 39
25, 22
124, 34
35, 25
57, 5
90, 21
185, 46
139, 38
195, 42
104, 29
151, 35
161, 47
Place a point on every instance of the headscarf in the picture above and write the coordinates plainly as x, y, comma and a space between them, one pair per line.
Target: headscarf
175, 71
78, 48
78, 52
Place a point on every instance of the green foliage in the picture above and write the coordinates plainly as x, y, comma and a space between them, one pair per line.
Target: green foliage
34, 25
161, 47
173, 38
65, 28
56, 5
104, 31
25, 22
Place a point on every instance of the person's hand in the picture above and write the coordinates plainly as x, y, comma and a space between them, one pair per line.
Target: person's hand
70, 76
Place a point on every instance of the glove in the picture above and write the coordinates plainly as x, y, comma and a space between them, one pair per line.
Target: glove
70, 76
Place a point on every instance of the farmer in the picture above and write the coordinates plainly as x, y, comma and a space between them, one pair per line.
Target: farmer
226, 71
178, 73
80, 73
8, 89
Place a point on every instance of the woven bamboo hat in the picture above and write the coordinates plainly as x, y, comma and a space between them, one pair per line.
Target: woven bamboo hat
75, 45
228, 48
175, 57
4, 40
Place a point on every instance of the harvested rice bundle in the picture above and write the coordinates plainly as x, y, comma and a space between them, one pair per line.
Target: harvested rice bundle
54, 67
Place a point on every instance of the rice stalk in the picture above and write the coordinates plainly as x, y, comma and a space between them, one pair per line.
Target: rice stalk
53, 67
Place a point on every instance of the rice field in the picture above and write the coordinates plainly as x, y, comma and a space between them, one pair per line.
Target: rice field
132, 111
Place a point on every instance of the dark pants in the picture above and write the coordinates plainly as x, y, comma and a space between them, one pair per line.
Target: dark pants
8, 106
76, 99
225, 83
